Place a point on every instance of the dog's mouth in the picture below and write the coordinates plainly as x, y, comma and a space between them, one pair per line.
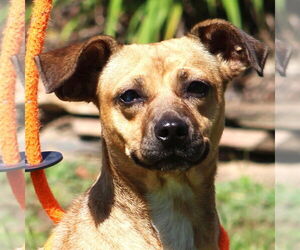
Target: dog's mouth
172, 160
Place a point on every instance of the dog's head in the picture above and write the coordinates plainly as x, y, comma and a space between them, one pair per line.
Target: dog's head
161, 105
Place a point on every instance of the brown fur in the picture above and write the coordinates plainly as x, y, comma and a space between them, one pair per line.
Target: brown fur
116, 213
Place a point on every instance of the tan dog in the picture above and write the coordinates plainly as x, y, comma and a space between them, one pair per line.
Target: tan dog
162, 114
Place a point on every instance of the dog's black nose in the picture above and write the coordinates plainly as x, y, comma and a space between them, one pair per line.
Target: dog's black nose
171, 130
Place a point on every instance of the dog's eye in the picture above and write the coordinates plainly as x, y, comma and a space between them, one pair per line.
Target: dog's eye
129, 97
198, 89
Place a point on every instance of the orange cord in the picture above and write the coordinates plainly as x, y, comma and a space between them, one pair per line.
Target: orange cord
11, 43
48, 201
34, 45
13, 36
35, 41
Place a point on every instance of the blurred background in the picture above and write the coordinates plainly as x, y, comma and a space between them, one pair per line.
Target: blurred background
287, 125
12, 215
245, 181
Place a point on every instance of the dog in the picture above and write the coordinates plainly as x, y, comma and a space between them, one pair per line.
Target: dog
161, 109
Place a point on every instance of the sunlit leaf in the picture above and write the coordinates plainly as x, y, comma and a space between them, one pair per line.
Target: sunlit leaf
232, 10
113, 14
173, 20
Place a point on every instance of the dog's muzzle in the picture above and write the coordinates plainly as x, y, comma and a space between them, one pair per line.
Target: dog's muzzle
171, 144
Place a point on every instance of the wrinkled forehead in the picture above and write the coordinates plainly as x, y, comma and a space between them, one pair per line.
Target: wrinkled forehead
160, 60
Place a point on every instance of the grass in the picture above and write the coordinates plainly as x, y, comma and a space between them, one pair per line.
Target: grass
287, 217
247, 212
245, 207
11, 218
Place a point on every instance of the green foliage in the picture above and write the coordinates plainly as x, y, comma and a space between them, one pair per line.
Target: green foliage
11, 218
212, 7
69, 28
114, 11
259, 6
151, 20
3, 14
287, 217
173, 20
154, 17
78, 15
232, 10
247, 212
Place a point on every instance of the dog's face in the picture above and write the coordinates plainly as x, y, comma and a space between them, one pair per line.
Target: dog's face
161, 105
164, 105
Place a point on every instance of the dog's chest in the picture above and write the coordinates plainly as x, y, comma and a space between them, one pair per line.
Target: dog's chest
172, 209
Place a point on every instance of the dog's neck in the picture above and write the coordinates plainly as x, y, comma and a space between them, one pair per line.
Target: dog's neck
179, 207
184, 215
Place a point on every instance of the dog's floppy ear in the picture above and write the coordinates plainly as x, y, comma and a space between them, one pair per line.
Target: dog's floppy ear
282, 55
233, 45
73, 72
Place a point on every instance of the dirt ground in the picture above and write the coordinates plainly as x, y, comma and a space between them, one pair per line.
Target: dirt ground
259, 172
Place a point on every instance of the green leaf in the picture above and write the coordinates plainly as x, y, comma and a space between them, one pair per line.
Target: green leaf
155, 16
173, 20
212, 7
147, 28
232, 10
134, 24
258, 6
114, 11
69, 28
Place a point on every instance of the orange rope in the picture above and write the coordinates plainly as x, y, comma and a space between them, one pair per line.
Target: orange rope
34, 46
48, 201
13, 35
11, 43
35, 41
